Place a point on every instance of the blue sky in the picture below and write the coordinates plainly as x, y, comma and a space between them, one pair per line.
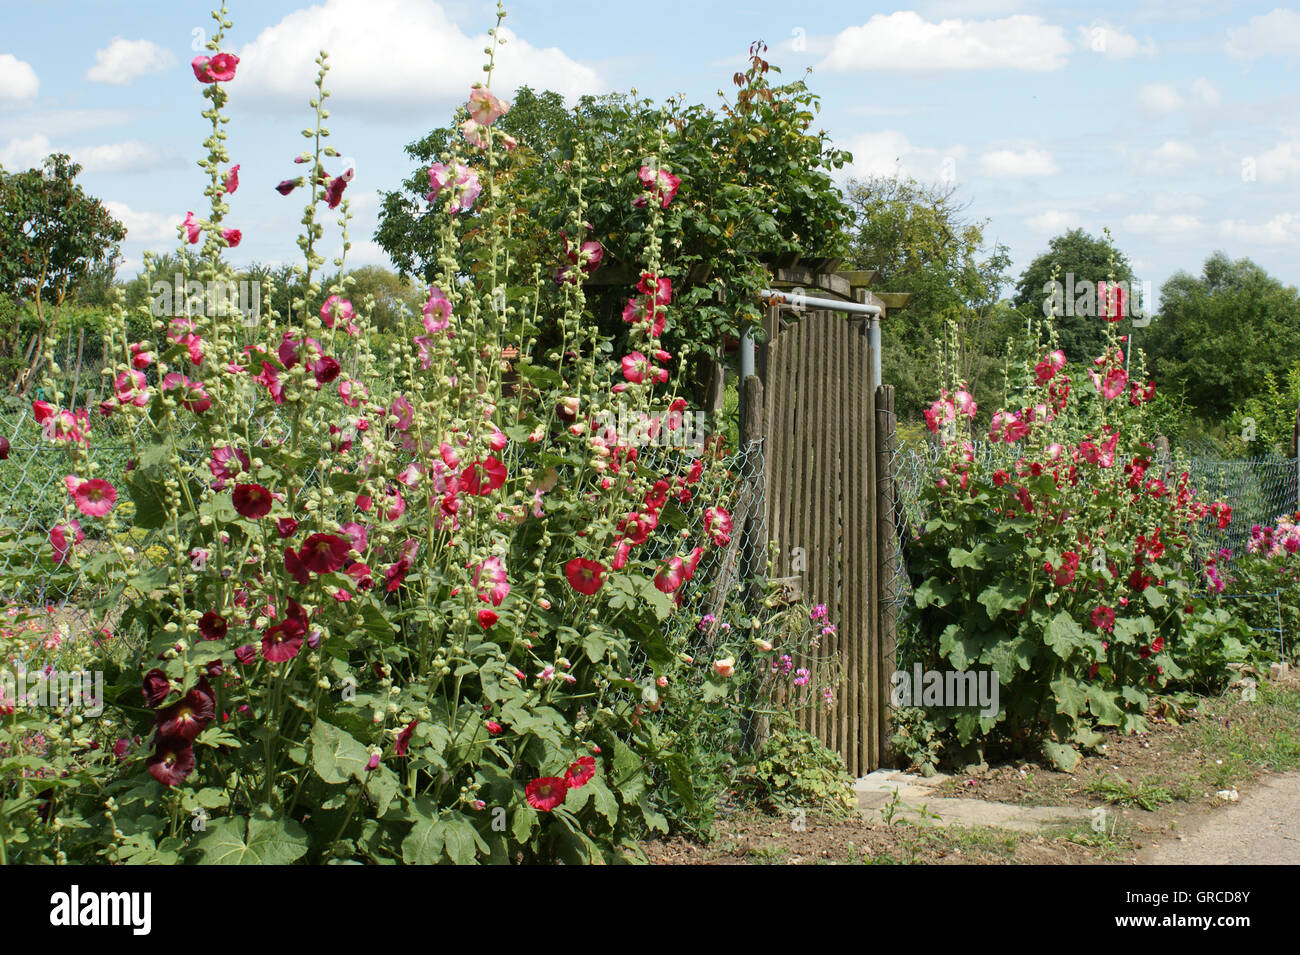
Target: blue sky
1176, 124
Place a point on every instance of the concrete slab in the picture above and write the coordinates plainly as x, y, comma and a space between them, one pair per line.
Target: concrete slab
913, 799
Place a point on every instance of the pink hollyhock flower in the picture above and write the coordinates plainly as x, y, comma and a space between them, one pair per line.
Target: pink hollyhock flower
495, 573
1065, 571
94, 498
1112, 298
395, 504
724, 667
172, 762
324, 553
1054, 451
251, 501
634, 367
401, 409
352, 393
437, 311
671, 576
59, 535
460, 180
658, 286
132, 388
283, 641
232, 236
338, 309
270, 378
1106, 454
587, 256
1116, 382
217, 69
227, 463
581, 772
193, 397
662, 182
484, 108
141, 355
475, 134
585, 576
546, 793
1048, 366
940, 413
965, 404
717, 524
232, 179
192, 228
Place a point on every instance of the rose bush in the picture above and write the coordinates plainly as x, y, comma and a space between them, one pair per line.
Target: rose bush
407, 597
1064, 559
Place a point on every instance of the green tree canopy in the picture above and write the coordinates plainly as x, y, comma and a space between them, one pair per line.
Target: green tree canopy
1078, 261
1220, 332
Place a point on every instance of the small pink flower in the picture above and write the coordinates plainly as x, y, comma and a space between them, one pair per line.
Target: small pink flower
94, 498
192, 229
484, 108
217, 69
232, 179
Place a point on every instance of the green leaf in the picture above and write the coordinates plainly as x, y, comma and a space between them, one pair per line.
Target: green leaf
335, 755
959, 557
1103, 705
1065, 758
1070, 696
255, 841
1004, 595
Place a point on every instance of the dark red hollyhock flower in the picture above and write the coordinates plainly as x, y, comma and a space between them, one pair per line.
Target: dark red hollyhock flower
212, 626
4, 448
172, 761
325, 369
287, 186
471, 478
283, 641
186, 718
580, 772
247, 654
252, 501
546, 793
487, 618
285, 526
156, 687
585, 576
215, 669
404, 739
324, 553
296, 568
362, 574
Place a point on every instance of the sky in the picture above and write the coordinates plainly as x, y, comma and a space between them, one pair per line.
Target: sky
1175, 124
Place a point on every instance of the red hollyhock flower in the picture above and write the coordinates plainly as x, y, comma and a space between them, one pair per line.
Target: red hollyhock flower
296, 568
4, 449
156, 687
671, 576
487, 618
493, 727
247, 654
580, 772
252, 501
186, 718
285, 526
404, 739
546, 792
171, 762
490, 467
362, 574
324, 553
585, 576
1103, 618
283, 641
212, 626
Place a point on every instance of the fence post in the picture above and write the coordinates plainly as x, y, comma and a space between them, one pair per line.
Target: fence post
752, 559
1295, 452
888, 560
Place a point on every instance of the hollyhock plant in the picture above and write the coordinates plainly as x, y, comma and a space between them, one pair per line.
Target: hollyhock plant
251, 501
585, 576
94, 498
171, 762
546, 793
215, 69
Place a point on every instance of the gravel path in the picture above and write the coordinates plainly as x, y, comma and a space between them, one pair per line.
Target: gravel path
1262, 829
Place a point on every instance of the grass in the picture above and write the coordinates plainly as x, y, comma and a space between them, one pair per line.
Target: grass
1120, 793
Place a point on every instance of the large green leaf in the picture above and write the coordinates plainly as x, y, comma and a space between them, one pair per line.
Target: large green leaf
335, 755
255, 841
1065, 758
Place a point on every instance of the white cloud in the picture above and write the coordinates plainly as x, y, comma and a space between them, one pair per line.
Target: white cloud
425, 66
25, 152
132, 156
905, 42
1008, 162
890, 153
1282, 229
367, 252
1205, 91
59, 122
1162, 225
1169, 156
1279, 163
1159, 98
1177, 202
124, 61
17, 78
1114, 42
1053, 220
144, 226
1270, 34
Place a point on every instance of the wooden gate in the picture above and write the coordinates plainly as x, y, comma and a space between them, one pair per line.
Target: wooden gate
821, 489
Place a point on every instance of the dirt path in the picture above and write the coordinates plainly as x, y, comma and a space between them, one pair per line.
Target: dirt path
1262, 829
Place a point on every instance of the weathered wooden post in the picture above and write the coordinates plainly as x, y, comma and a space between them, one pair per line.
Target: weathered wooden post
888, 559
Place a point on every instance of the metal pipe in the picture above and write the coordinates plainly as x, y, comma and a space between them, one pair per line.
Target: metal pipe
873, 339
746, 369
799, 301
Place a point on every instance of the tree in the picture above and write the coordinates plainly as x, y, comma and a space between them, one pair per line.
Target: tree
1078, 261
1219, 334
52, 236
914, 236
